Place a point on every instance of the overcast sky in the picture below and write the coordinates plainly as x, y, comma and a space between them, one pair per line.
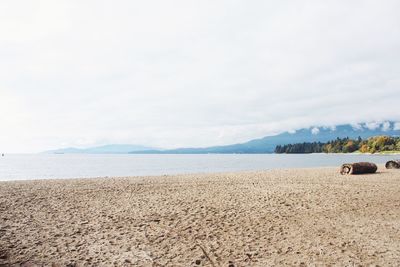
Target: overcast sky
191, 73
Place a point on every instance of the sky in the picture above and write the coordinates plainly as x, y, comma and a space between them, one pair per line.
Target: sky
191, 73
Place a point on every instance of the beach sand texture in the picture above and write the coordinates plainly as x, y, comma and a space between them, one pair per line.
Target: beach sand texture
295, 217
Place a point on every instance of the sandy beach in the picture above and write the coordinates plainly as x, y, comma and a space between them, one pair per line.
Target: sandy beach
291, 217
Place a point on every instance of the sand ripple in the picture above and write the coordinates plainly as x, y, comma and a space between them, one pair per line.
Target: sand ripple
282, 217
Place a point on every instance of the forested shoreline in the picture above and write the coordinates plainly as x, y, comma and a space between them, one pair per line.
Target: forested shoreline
374, 144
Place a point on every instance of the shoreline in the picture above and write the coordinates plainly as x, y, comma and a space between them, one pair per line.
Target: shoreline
307, 216
197, 174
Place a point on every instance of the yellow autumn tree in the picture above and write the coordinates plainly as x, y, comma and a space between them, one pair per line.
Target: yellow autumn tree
364, 148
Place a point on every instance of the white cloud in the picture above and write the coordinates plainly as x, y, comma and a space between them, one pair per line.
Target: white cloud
372, 125
315, 131
191, 73
357, 126
386, 126
396, 126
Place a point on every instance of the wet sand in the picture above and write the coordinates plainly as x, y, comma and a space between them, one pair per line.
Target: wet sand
282, 217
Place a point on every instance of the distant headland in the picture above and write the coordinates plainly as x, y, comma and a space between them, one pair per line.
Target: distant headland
268, 144
376, 144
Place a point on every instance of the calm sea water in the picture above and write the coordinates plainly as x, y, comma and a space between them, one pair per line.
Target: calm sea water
44, 166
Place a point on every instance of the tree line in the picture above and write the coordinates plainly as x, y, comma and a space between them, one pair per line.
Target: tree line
344, 145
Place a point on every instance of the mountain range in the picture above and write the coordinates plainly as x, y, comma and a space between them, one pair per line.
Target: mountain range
263, 145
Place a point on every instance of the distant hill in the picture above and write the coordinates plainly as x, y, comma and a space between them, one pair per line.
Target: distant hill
269, 143
375, 144
263, 145
106, 149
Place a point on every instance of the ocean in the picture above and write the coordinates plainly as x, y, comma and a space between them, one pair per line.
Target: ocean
64, 166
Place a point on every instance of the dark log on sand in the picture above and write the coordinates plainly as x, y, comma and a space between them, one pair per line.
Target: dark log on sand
358, 168
393, 164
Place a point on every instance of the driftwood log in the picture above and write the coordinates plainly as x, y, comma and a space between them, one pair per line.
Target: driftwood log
393, 164
358, 168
